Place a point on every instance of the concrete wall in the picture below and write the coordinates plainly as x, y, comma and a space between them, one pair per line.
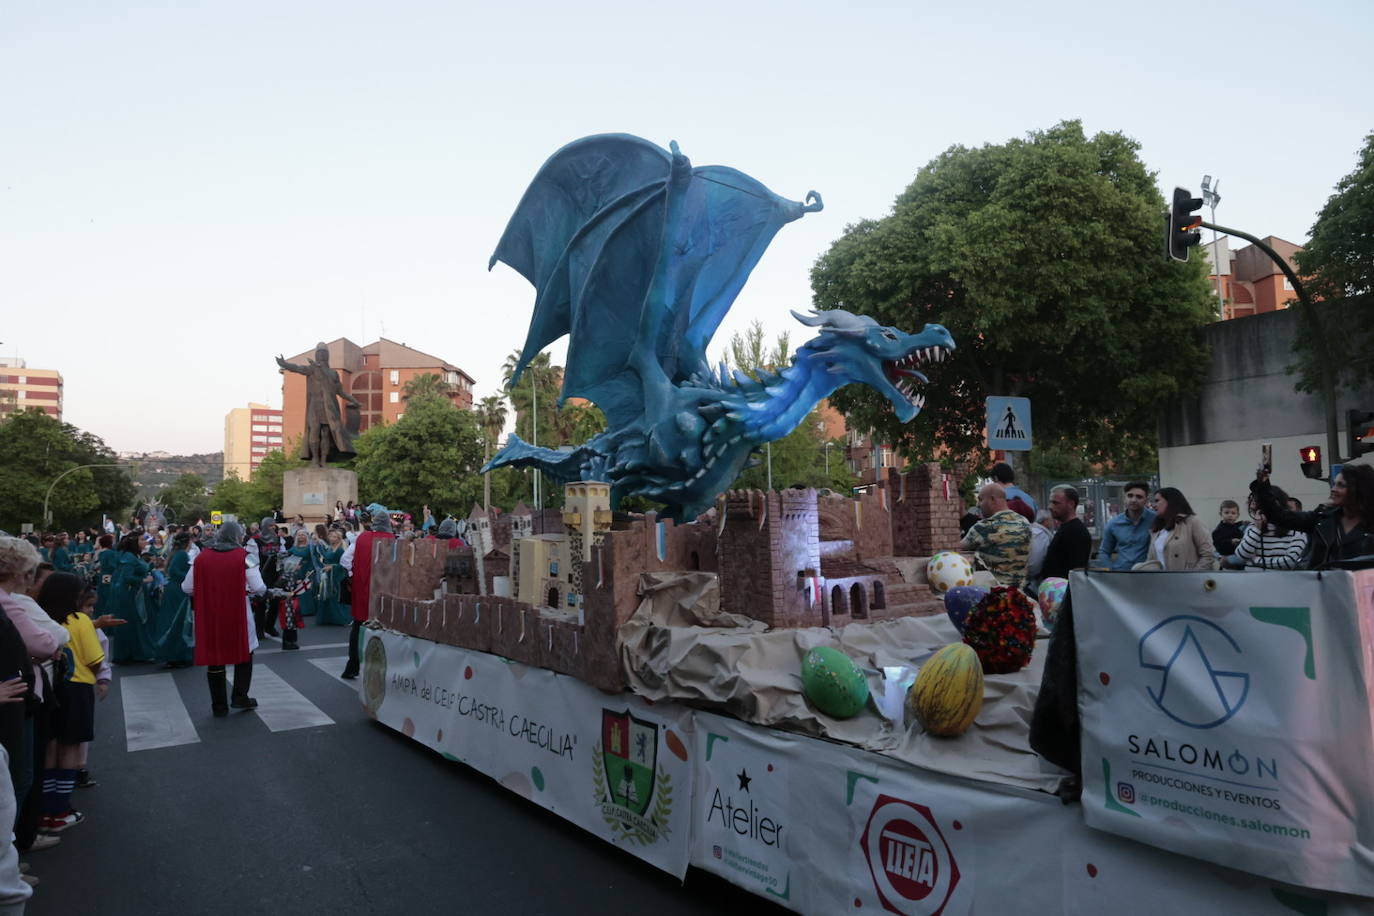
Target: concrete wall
1210, 444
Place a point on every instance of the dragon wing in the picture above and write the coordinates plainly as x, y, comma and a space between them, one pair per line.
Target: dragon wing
638, 257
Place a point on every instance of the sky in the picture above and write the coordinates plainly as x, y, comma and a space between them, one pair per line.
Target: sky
189, 188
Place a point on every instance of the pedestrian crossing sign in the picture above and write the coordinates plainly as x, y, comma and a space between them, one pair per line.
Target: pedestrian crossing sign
1009, 424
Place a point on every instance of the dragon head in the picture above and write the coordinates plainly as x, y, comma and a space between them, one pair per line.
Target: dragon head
859, 349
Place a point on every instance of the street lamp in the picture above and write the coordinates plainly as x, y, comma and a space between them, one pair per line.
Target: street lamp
1211, 198
47, 519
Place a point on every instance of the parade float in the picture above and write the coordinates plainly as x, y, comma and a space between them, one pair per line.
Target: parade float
767, 686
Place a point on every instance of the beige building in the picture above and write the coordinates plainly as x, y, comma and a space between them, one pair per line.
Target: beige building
22, 388
249, 434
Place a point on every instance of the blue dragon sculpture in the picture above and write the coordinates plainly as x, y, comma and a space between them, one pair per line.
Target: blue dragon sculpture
637, 256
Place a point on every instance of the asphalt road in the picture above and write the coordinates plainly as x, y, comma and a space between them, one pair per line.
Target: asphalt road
337, 819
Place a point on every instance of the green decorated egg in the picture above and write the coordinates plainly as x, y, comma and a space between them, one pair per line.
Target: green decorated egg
834, 683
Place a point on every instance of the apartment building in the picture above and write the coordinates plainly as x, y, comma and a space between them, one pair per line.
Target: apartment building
22, 387
376, 375
249, 434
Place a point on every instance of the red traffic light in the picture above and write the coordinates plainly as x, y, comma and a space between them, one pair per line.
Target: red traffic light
1311, 453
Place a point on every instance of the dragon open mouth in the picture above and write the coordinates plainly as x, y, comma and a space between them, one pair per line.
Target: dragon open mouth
902, 373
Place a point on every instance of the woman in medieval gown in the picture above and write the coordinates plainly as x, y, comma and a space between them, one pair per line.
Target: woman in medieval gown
302, 549
328, 608
134, 642
103, 562
174, 612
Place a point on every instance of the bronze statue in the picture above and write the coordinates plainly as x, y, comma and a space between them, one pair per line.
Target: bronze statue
327, 436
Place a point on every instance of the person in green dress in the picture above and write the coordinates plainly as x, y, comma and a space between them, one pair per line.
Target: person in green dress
171, 646
104, 561
62, 554
328, 609
132, 643
302, 551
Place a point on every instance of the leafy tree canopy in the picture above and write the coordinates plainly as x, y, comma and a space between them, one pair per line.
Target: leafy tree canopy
801, 458
430, 456
427, 385
35, 450
186, 498
1338, 267
1042, 257
252, 500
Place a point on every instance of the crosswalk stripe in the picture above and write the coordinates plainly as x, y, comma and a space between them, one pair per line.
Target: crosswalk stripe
282, 707
154, 714
332, 667
275, 650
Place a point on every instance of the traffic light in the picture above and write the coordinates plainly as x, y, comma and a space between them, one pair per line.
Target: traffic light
1181, 230
1359, 433
1312, 461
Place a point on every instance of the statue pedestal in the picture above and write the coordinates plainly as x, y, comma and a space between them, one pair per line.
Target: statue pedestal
312, 492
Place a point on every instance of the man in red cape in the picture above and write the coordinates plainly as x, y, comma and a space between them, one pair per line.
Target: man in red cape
219, 583
357, 559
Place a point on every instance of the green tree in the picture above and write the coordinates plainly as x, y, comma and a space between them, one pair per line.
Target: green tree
542, 382
747, 353
186, 497
801, 458
427, 385
490, 414
1338, 267
1042, 258
35, 452
235, 496
428, 457
254, 499
580, 422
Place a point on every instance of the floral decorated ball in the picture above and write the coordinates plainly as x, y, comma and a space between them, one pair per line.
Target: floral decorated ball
947, 570
960, 600
1051, 597
1001, 629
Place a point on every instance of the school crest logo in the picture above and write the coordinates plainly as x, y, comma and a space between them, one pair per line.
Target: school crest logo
635, 793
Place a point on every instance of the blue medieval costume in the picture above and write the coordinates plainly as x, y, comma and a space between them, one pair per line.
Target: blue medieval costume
173, 615
132, 642
329, 609
308, 565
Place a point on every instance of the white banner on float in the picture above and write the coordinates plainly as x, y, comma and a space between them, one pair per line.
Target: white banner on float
613, 765
823, 828
1228, 717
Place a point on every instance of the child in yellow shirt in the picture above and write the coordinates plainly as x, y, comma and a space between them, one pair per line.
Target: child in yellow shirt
74, 721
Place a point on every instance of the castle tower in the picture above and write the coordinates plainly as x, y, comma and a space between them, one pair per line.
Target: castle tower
586, 518
769, 556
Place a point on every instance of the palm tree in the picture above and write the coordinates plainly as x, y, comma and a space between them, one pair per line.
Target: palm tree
427, 385
491, 417
539, 386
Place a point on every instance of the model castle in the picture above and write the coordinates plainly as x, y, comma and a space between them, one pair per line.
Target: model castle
551, 588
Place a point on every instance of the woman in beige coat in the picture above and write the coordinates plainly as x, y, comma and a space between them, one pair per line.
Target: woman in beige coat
1178, 539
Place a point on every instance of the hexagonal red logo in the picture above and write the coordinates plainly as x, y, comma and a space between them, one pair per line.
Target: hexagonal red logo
913, 870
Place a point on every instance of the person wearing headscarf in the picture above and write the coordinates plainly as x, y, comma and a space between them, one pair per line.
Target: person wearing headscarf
220, 582
174, 610
292, 590
448, 531
357, 559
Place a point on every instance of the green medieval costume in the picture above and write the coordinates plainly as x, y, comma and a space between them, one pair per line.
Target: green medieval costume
173, 613
132, 642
